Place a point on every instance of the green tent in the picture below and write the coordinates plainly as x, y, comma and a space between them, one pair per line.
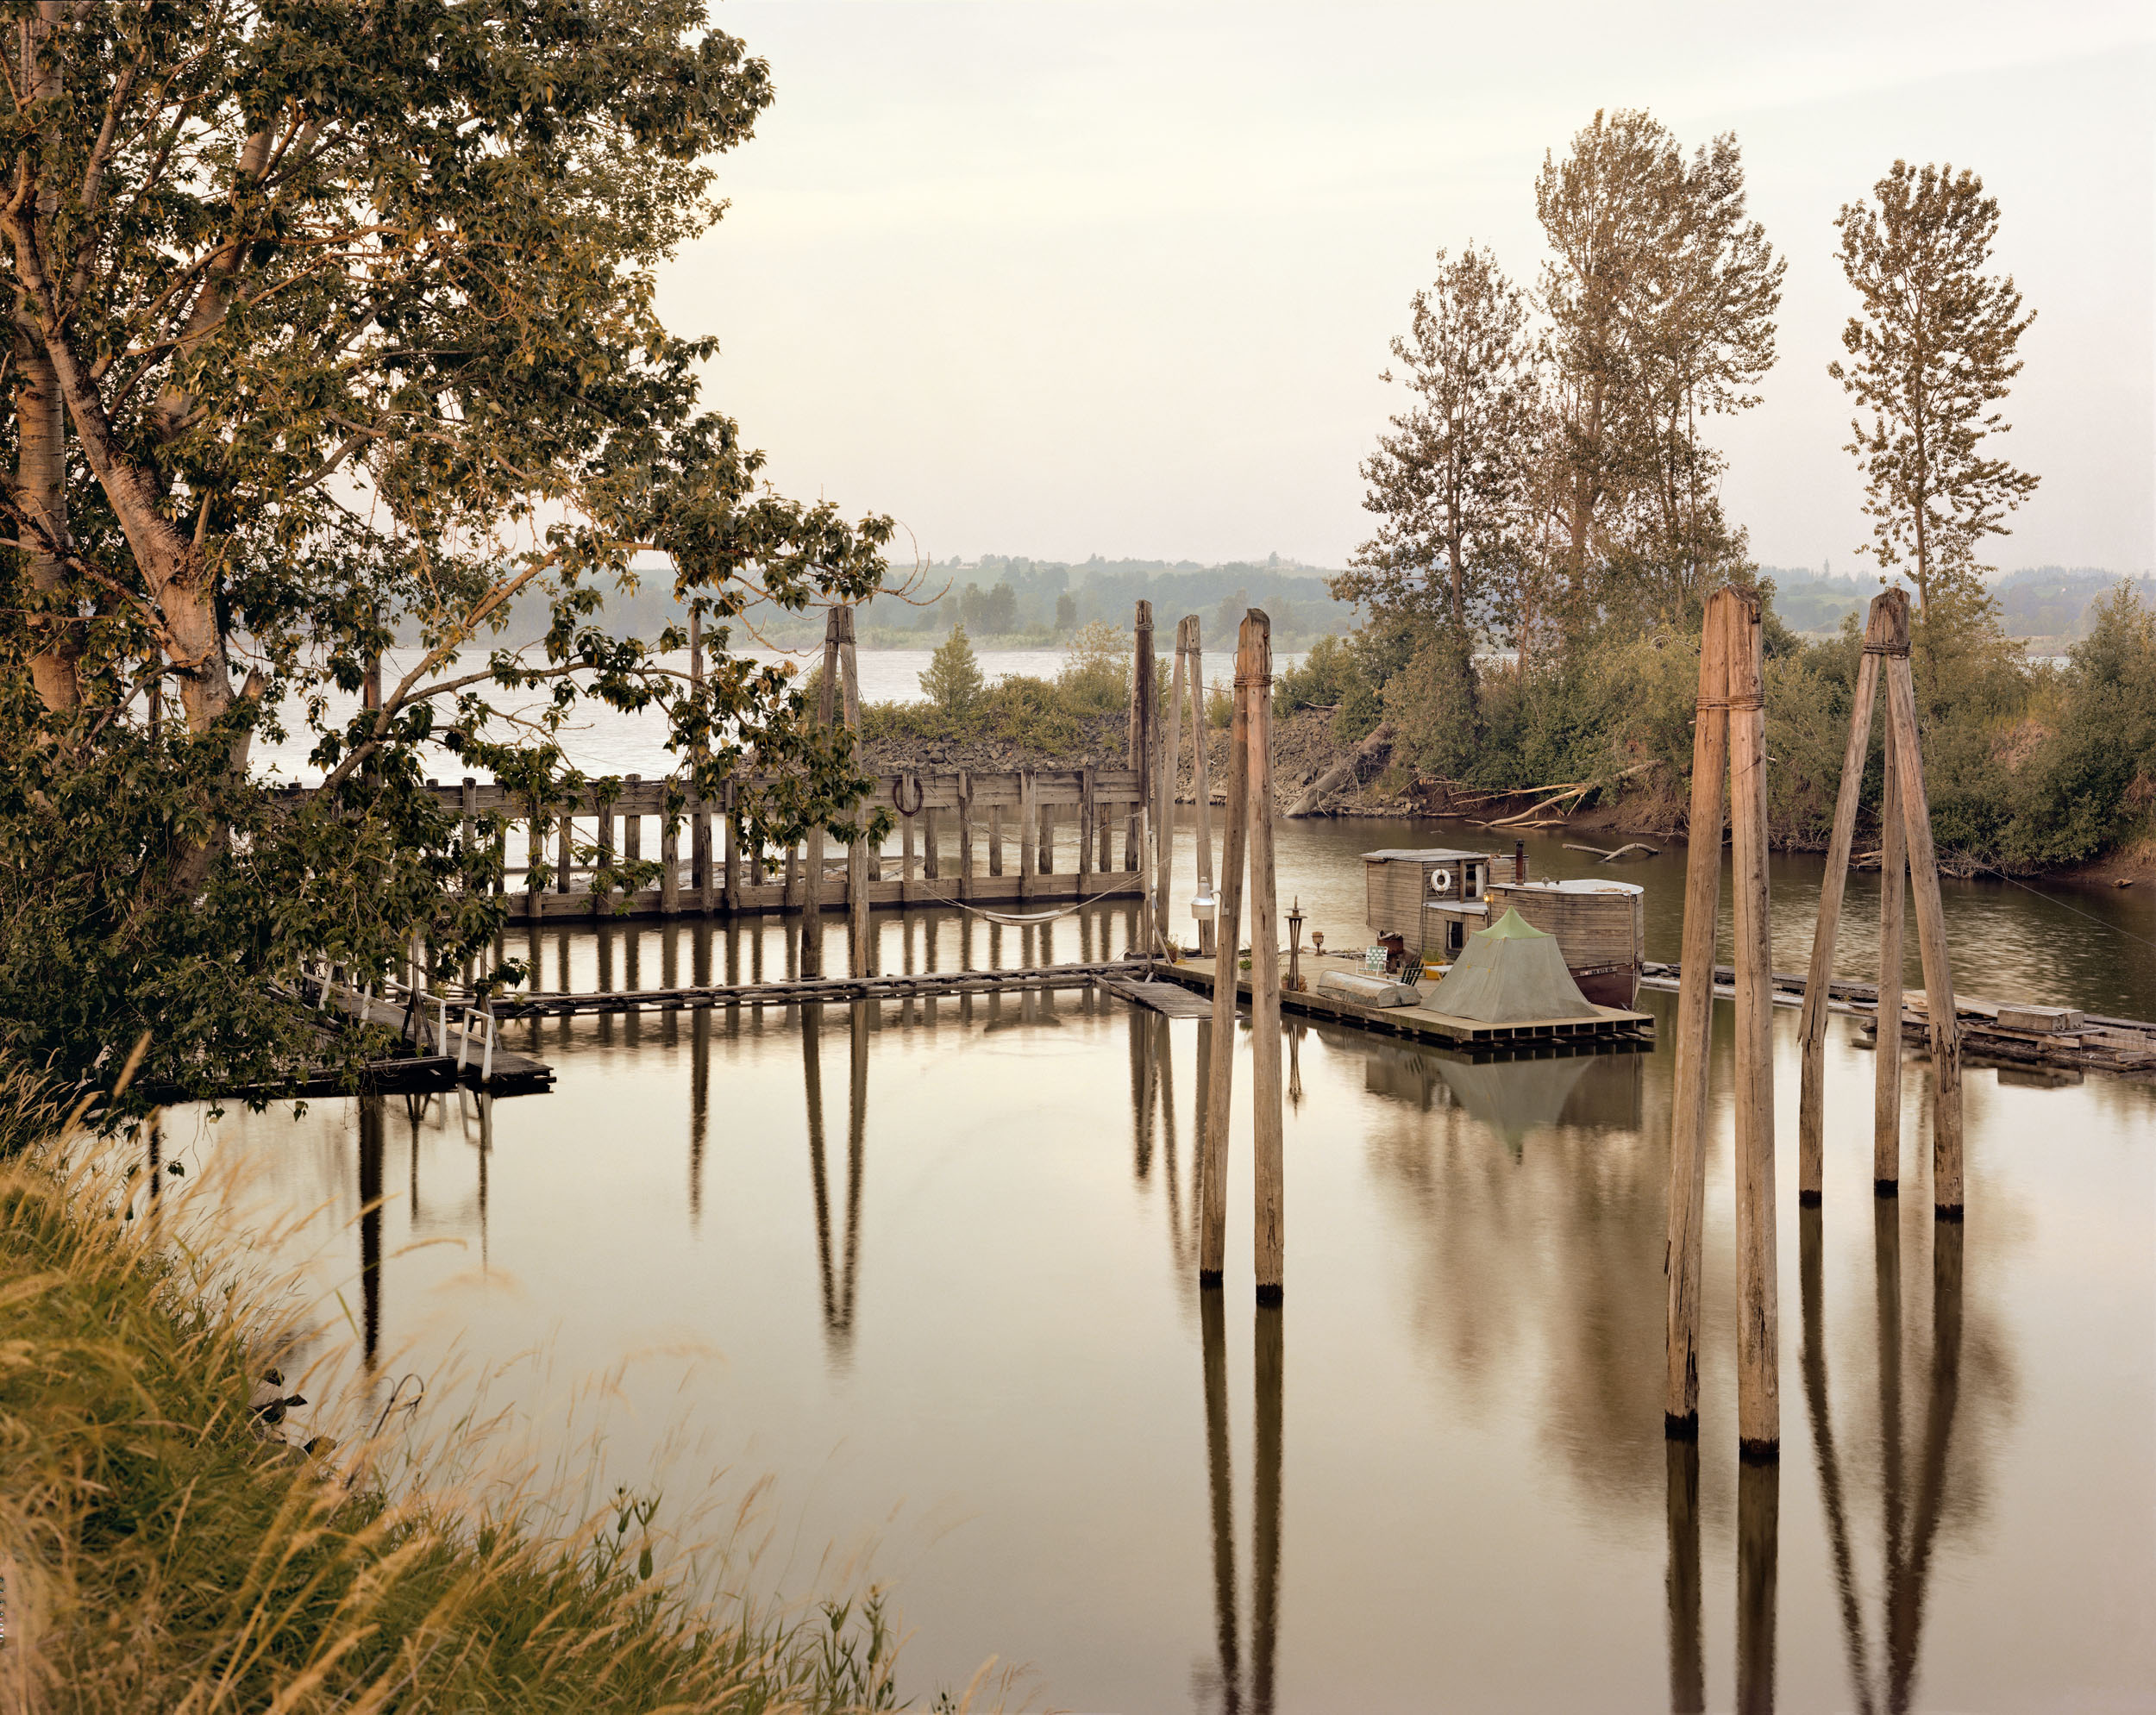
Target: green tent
1509, 974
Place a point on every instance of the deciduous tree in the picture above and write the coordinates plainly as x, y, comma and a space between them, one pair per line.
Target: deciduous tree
1931, 355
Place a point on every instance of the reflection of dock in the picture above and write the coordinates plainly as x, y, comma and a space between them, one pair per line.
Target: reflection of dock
1608, 1024
808, 991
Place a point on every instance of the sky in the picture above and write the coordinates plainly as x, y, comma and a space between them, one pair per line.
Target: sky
1060, 279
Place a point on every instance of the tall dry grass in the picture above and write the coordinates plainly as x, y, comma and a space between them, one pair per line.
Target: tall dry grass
163, 1548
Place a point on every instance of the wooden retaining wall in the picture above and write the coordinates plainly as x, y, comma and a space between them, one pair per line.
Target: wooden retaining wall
971, 837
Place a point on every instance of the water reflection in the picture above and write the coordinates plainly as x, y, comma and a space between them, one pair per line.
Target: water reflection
1229, 1689
837, 1281
1688, 1661
370, 1154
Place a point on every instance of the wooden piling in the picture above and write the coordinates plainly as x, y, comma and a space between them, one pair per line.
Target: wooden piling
1254, 682
700, 815
1139, 736
566, 826
1758, 1381
1811, 1150
1931, 925
732, 892
602, 841
632, 821
860, 943
995, 839
813, 863
1164, 793
669, 855
1886, 1071
1086, 820
1200, 786
931, 868
965, 836
1212, 1161
1029, 834
1694, 1024
535, 855
1044, 843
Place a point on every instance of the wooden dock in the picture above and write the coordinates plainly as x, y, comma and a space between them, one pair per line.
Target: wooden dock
815, 991
965, 838
1608, 1024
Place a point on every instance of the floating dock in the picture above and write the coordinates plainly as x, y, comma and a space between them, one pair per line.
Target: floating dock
1609, 1025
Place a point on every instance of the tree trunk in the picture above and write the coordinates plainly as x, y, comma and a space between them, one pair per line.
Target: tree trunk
1349, 768
42, 476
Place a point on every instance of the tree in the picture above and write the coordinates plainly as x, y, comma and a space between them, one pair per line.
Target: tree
1932, 351
1066, 613
331, 319
1446, 482
1661, 297
952, 682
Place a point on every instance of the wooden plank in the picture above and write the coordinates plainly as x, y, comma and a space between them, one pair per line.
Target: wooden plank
1212, 1167
1168, 997
1695, 1028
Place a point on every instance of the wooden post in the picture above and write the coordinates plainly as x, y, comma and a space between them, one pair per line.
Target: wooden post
995, 839
1028, 833
1044, 842
700, 814
568, 849
1811, 1149
1164, 794
1759, 1351
1200, 786
603, 811
1254, 677
733, 849
1139, 732
1695, 1024
632, 821
931, 866
467, 811
906, 843
669, 852
534, 854
1930, 922
1087, 817
1212, 1161
813, 863
1886, 1073
965, 835
862, 947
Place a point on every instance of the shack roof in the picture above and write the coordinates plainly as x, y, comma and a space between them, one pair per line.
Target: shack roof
1428, 854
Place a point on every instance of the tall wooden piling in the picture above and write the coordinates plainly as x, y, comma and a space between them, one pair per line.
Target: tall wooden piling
1164, 791
1029, 823
812, 865
1200, 786
1886, 1073
1254, 684
1696, 1021
859, 940
1811, 1148
1758, 1385
1931, 918
1139, 738
700, 815
1213, 1162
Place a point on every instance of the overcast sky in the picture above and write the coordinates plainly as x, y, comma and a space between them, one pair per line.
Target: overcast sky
1058, 279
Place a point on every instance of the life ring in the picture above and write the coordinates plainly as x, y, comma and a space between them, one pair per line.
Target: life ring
1440, 882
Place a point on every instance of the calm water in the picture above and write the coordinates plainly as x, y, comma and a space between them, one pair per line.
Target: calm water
930, 1269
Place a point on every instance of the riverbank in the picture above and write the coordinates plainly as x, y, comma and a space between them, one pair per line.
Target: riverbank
164, 1545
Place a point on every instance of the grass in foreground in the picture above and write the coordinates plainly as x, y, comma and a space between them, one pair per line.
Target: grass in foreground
159, 1551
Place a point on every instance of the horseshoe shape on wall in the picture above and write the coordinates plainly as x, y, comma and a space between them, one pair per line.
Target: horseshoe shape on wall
898, 795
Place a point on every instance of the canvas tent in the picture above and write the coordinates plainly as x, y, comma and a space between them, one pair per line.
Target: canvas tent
1509, 974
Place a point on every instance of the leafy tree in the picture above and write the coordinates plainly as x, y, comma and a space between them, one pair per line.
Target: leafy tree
1661, 296
952, 682
1447, 481
1066, 613
332, 320
1930, 355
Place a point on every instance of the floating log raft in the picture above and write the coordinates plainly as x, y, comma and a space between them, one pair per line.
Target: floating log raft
1992, 1030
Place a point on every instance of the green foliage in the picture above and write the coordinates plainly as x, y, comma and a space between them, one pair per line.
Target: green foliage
1322, 680
1434, 705
952, 682
164, 1554
1095, 677
281, 402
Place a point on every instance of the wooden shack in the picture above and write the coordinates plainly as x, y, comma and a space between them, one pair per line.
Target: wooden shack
1399, 883
1601, 925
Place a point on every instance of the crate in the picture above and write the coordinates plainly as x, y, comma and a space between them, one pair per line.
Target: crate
2042, 1019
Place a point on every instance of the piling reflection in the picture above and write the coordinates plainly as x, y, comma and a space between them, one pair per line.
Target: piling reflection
370, 1152
1905, 1588
1810, 1266
1269, 1338
837, 1273
1688, 1663
1758, 1551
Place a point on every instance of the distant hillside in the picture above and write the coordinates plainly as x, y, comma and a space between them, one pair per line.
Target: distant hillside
2050, 602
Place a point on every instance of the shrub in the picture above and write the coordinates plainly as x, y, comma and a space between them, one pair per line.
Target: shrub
1095, 679
952, 682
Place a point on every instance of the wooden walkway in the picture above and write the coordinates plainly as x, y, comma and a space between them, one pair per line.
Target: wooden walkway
1608, 1024
1167, 997
811, 991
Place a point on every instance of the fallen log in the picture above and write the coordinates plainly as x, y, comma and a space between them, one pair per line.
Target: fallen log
1348, 770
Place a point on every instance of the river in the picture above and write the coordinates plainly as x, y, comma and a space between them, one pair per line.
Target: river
914, 1285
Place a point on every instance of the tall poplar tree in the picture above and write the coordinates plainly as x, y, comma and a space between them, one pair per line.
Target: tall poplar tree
1931, 355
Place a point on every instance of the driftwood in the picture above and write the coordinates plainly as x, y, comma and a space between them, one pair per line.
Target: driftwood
1601, 856
1570, 796
1349, 768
